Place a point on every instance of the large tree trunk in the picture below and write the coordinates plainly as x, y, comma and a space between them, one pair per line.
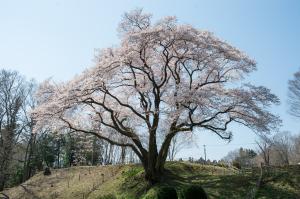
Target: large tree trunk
152, 173
154, 168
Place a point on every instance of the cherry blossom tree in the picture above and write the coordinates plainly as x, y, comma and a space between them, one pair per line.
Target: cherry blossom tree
163, 78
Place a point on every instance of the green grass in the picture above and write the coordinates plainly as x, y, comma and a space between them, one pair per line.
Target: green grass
127, 182
283, 182
218, 182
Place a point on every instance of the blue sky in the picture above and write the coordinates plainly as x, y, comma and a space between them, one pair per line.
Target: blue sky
42, 39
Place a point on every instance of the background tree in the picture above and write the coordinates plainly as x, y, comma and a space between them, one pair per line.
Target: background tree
296, 149
28, 137
294, 95
246, 157
94, 156
282, 148
47, 150
178, 142
14, 91
264, 144
164, 77
241, 157
231, 156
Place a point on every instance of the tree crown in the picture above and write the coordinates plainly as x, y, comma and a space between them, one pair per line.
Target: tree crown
164, 78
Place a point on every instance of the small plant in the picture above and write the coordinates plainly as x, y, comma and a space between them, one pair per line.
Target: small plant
193, 192
166, 192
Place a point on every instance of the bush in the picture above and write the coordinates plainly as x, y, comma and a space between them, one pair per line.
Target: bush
166, 193
47, 171
193, 192
222, 165
236, 164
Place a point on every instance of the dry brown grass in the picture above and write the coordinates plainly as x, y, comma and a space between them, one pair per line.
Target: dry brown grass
75, 182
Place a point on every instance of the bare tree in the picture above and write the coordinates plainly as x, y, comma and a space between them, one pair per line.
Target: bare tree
296, 150
294, 95
13, 93
178, 142
282, 145
264, 145
240, 157
164, 77
29, 137
231, 156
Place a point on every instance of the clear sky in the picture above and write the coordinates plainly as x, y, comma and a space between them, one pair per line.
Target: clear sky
57, 38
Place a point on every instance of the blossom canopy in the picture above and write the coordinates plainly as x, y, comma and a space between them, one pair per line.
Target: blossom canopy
164, 78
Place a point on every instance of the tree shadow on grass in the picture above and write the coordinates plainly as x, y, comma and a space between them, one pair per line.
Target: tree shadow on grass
216, 186
135, 184
283, 184
276, 192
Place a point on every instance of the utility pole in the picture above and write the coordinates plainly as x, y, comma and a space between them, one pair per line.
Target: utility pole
204, 152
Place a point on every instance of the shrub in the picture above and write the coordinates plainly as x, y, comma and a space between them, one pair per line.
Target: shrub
166, 193
222, 165
236, 164
193, 192
47, 171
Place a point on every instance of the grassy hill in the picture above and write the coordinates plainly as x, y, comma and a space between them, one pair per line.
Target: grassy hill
127, 182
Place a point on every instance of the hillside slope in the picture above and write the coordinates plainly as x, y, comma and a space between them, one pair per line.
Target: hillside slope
127, 182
